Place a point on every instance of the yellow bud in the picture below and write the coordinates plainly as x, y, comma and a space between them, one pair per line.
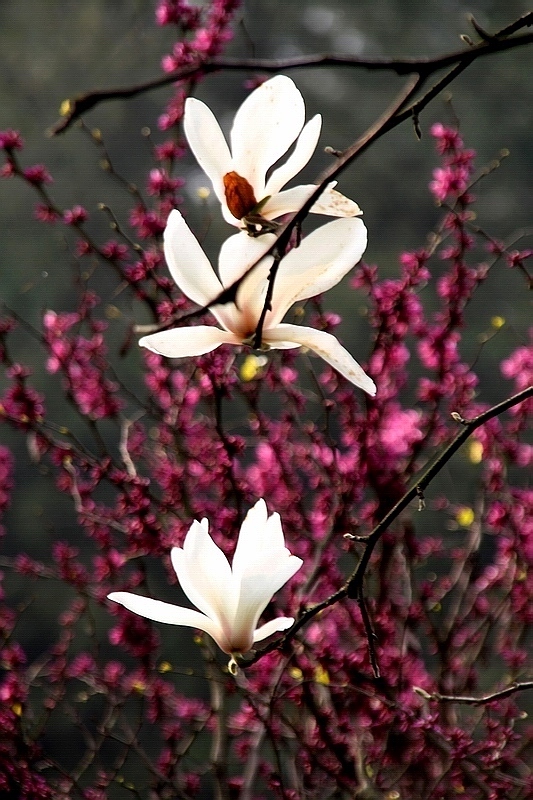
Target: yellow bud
465, 517
112, 312
249, 368
203, 192
296, 673
139, 687
321, 676
475, 451
65, 108
497, 322
164, 667
16, 708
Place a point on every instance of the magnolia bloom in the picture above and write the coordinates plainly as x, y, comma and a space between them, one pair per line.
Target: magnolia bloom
230, 599
321, 260
269, 121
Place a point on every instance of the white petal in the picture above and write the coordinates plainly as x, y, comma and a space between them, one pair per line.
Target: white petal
288, 201
239, 252
260, 580
265, 126
187, 342
250, 536
330, 203
158, 611
334, 204
260, 538
275, 625
205, 575
322, 259
207, 142
327, 347
304, 149
251, 295
187, 262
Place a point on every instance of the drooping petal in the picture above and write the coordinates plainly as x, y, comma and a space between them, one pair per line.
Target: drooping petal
187, 262
303, 150
239, 252
319, 263
327, 347
265, 126
207, 142
205, 575
275, 625
158, 611
185, 342
334, 204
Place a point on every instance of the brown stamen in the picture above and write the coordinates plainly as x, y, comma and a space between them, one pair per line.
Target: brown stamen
239, 195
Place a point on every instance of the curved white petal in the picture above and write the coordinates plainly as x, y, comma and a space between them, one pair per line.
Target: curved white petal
265, 126
207, 142
334, 204
158, 611
187, 262
331, 203
205, 575
319, 263
185, 342
260, 580
327, 347
261, 537
239, 252
304, 149
251, 295
275, 625
251, 536
288, 201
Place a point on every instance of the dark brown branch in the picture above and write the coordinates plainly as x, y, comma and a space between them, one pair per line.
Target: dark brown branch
353, 586
73, 108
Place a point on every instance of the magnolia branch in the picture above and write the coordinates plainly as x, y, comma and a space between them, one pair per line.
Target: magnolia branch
73, 108
353, 586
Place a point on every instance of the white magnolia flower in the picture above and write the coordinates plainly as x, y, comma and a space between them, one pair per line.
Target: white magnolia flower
269, 121
230, 599
322, 259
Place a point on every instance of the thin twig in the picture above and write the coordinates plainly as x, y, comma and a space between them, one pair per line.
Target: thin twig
476, 701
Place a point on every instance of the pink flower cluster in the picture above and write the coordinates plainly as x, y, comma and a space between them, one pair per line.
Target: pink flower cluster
82, 361
451, 179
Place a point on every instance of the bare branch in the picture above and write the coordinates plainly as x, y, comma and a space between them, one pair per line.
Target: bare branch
73, 108
475, 701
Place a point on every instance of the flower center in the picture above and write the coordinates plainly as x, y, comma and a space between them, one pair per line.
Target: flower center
239, 194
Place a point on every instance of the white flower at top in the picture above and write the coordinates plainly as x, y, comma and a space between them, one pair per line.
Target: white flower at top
232, 598
321, 260
269, 121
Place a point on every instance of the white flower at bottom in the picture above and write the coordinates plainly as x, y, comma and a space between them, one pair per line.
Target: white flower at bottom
230, 598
